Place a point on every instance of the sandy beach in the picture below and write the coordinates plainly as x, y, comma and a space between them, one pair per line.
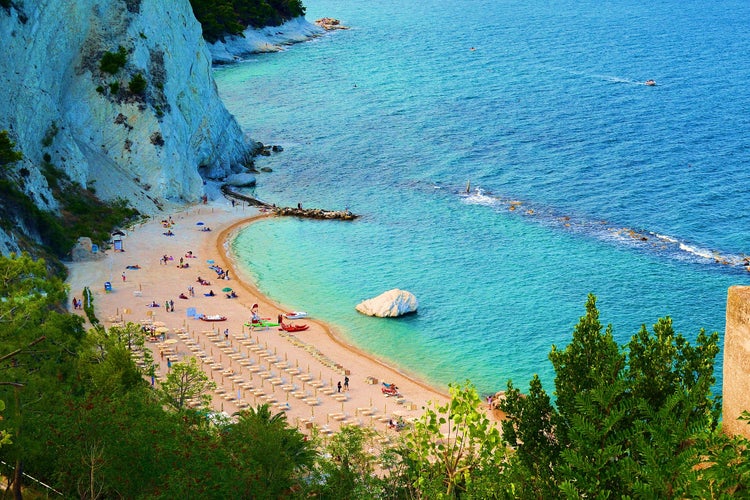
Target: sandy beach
294, 372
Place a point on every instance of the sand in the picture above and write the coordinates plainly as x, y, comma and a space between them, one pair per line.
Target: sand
296, 373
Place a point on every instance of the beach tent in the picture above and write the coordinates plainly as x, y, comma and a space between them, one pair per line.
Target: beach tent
107, 286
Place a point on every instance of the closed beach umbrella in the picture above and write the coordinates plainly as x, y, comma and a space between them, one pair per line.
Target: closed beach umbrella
227, 289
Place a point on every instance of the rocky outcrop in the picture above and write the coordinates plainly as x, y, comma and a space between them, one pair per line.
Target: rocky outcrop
61, 109
268, 39
390, 304
330, 24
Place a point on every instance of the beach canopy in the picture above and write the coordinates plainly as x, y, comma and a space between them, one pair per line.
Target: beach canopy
199, 224
162, 329
227, 289
159, 323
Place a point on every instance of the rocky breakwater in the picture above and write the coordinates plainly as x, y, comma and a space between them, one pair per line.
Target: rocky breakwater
116, 94
314, 213
390, 304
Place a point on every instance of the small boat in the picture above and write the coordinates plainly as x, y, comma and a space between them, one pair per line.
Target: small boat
651, 83
293, 328
295, 315
213, 317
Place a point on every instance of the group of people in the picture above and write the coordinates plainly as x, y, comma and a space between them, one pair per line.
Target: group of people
345, 386
77, 304
220, 273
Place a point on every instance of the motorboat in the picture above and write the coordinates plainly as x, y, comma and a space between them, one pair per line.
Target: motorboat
295, 315
651, 83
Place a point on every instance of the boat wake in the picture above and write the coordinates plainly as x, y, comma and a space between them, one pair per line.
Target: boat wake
641, 239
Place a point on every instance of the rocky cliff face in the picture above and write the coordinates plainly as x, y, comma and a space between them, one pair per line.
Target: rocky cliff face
61, 108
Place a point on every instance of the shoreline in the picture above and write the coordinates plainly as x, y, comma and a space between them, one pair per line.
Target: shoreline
249, 366
222, 247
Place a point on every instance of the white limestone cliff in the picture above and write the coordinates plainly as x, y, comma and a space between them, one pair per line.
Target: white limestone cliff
56, 101
390, 304
269, 39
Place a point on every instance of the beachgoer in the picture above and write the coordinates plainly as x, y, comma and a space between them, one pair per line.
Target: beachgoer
171, 305
338, 386
166, 305
226, 334
346, 383
211, 293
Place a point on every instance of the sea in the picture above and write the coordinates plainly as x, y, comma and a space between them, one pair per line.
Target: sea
506, 159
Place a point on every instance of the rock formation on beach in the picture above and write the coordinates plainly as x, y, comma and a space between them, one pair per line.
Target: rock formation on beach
146, 128
390, 304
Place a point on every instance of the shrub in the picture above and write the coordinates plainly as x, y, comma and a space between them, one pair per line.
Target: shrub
137, 84
8, 155
114, 87
111, 62
50, 134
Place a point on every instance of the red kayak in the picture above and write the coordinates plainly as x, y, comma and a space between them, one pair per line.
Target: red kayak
293, 328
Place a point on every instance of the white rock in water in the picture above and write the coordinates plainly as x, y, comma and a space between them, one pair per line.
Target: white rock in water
390, 304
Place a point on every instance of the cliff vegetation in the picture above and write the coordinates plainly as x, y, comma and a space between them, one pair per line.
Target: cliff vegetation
230, 17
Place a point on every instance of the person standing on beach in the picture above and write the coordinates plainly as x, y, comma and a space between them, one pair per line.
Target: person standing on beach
123, 277
339, 386
171, 305
346, 384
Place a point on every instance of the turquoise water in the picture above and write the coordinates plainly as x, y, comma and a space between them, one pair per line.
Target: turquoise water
588, 180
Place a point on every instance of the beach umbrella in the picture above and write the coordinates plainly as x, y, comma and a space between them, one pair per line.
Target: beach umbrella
226, 289
162, 329
199, 224
170, 341
159, 323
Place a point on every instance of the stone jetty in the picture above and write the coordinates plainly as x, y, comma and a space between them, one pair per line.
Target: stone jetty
309, 213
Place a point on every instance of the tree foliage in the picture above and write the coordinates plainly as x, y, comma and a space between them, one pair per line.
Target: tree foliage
8, 154
627, 419
111, 62
186, 382
230, 17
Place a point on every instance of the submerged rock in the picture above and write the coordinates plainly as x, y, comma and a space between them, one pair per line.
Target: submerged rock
390, 304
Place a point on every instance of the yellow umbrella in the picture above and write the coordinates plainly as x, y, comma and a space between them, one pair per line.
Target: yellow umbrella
170, 341
162, 329
159, 323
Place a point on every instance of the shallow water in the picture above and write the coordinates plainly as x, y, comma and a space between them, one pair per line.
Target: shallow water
590, 181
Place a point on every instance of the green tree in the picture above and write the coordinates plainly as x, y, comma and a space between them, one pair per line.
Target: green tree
348, 465
137, 84
8, 154
186, 382
450, 444
268, 456
627, 421
45, 340
111, 62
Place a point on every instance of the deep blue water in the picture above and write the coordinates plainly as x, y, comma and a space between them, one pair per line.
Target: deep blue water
589, 181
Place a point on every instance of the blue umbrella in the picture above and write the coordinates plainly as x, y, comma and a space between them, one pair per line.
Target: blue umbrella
199, 223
